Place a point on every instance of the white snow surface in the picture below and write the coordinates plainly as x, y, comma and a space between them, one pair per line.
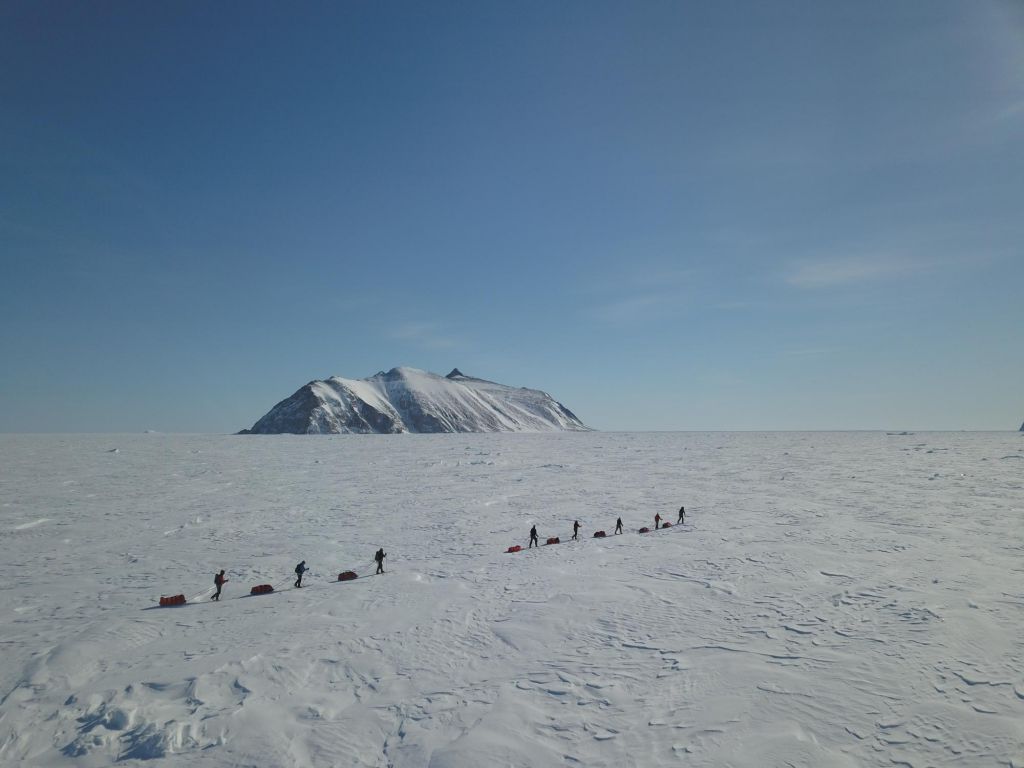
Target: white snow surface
834, 599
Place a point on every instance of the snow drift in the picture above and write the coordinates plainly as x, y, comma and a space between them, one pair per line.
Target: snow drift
411, 400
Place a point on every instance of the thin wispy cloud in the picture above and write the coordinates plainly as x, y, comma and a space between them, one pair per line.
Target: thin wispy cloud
636, 276
641, 294
660, 278
425, 335
1012, 110
832, 273
733, 305
632, 308
807, 352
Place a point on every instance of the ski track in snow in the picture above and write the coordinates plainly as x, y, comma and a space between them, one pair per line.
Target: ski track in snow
835, 599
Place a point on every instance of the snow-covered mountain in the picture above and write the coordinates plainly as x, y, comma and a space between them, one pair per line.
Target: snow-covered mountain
411, 400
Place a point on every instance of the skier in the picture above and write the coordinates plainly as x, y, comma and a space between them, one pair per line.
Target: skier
533, 537
657, 520
576, 530
618, 525
299, 570
682, 515
219, 581
379, 557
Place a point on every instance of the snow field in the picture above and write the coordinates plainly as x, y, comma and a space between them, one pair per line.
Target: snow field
847, 599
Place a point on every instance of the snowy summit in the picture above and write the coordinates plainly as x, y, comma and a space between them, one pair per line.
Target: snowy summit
411, 400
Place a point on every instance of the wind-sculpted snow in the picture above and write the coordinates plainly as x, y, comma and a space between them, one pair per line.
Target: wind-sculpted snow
832, 600
410, 400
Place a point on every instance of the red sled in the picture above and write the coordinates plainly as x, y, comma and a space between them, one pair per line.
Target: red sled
516, 548
645, 530
261, 589
347, 575
554, 540
169, 600
599, 534
666, 525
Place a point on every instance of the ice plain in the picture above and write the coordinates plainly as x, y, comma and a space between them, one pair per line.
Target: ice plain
834, 599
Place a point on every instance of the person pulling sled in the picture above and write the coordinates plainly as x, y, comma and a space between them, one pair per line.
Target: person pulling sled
219, 581
533, 537
618, 526
379, 557
576, 530
682, 515
299, 570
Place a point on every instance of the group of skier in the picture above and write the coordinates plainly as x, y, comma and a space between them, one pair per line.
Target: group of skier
219, 581
535, 540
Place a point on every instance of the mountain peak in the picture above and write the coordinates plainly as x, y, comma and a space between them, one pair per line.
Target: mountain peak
398, 372
456, 373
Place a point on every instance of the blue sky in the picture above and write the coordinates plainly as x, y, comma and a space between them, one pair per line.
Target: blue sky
670, 215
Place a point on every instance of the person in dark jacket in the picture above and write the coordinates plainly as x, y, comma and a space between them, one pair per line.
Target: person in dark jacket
657, 520
576, 530
682, 515
533, 537
219, 581
618, 525
379, 557
299, 570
